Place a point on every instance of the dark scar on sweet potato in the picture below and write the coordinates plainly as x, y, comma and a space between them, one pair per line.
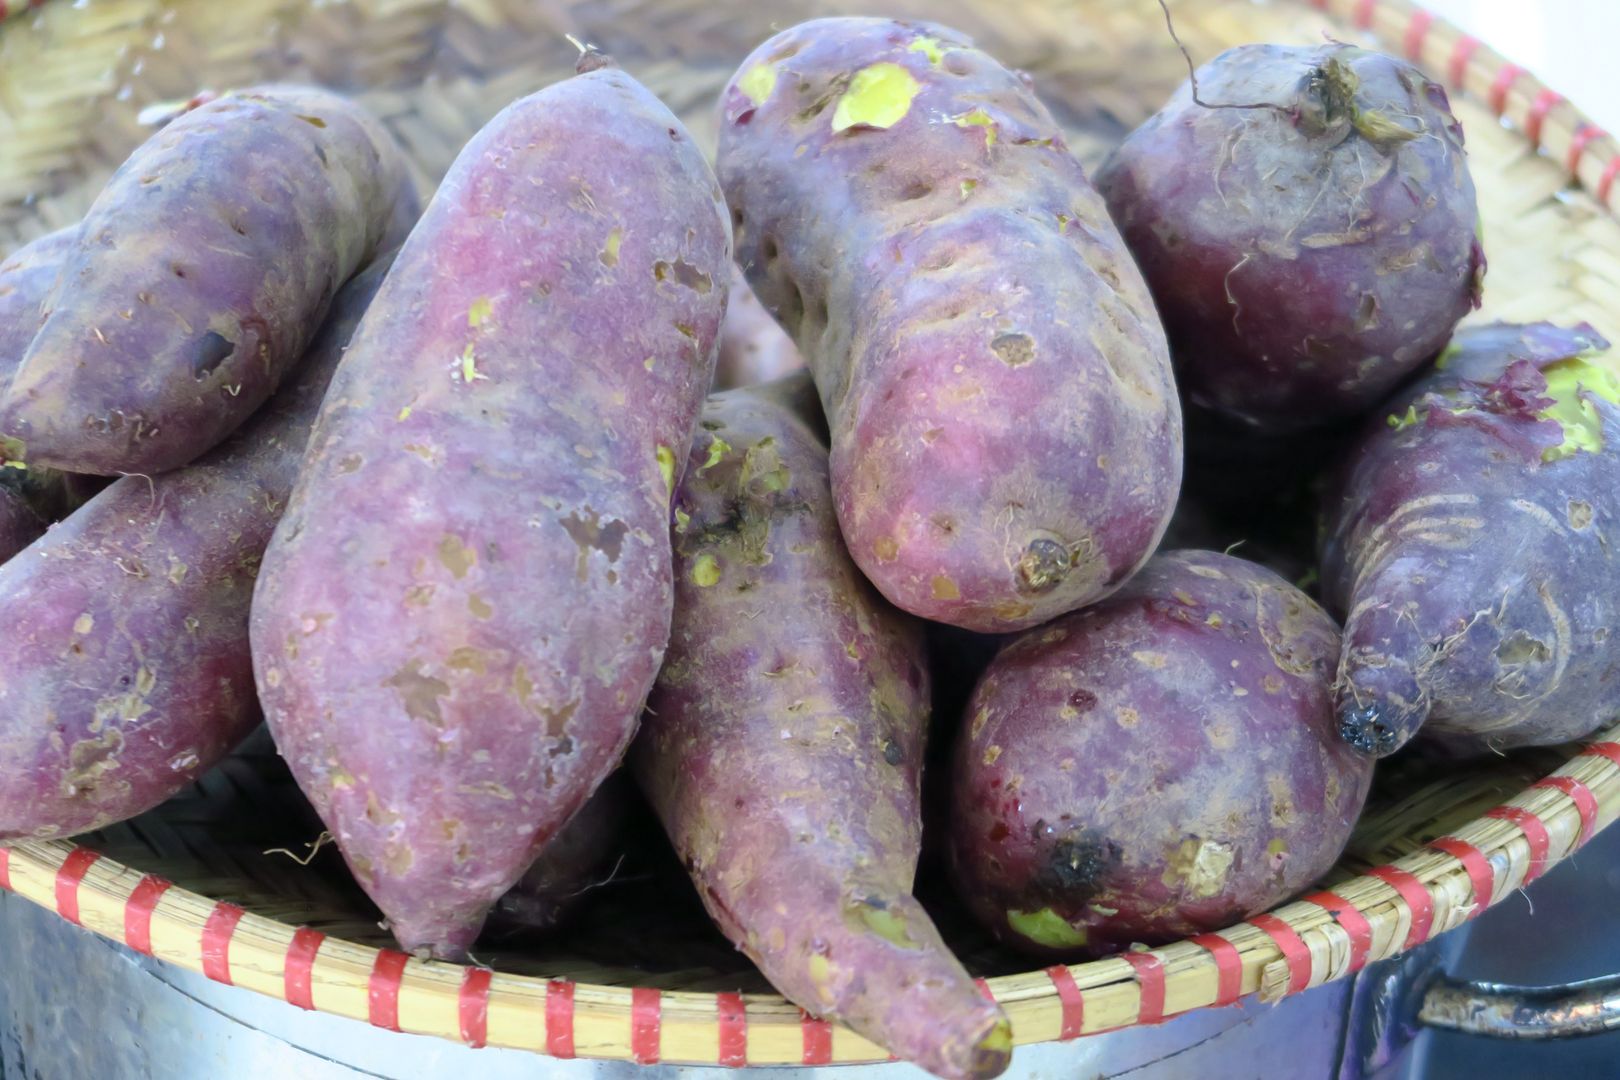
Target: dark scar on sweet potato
213, 350
1075, 868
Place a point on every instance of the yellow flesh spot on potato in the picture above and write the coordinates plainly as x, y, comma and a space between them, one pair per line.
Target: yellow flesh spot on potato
929, 47
878, 97
610, 248
886, 925
1569, 382
758, 82
1402, 421
705, 571
979, 118
718, 449
666, 468
999, 1039
1046, 927
479, 313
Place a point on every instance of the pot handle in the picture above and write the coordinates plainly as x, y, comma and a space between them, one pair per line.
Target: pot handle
1501, 1011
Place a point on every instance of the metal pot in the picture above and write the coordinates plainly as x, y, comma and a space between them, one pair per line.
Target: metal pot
74, 1005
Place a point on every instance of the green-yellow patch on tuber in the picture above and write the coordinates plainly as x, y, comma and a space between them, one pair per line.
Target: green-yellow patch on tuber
1402, 421
718, 449
879, 96
1568, 384
758, 82
929, 47
1046, 927
979, 118
885, 923
705, 571
666, 467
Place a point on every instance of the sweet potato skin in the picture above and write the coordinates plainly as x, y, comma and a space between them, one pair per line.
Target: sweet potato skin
1161, 764
29, 498
579, 857
1304, 258
199, 276
1006, 437
1477, 574
783, 745
127, 672
753, 348
469, 598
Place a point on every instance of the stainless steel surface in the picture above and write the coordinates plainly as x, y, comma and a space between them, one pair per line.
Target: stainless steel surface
1382, 1033
1500, 1011
73, 1005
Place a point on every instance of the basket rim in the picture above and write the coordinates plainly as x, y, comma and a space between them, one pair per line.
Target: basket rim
1322, 937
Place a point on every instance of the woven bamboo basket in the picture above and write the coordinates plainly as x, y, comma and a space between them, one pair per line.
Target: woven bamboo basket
641, 976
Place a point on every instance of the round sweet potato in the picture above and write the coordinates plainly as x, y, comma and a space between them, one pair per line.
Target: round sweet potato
1308, 231
1161, 764
1470, 540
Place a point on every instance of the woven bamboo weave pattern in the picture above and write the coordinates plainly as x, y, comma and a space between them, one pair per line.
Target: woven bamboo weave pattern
193, 884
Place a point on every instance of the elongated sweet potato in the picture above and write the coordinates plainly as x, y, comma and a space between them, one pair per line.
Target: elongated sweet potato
1471, 541
199, 276
127, 673
1006, 441
29, 498
1161, 764
783, 745
1307, 226
753, 347
468, 600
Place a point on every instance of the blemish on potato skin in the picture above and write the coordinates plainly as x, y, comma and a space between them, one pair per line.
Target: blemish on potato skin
1044, 565
419, 693
1013, 348
456, 556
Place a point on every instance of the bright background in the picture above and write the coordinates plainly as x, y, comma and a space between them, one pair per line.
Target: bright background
1571, 45
1568, 932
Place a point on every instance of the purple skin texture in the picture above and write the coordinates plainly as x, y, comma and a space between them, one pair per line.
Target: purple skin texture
467, 603
200, 274
127, 672
577, 859
1006, 437
29, 498
1161, 764
1473, 549
783, 745
1308, 257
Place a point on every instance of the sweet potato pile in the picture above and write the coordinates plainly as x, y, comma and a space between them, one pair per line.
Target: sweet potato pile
438, 494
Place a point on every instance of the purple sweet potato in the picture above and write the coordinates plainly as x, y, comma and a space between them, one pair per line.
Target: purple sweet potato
1161, 764
468, 600
127, 672
29, 498
577, 859
783, 745
753, 347
1471, 540
199, 276
1006, 439
1308, 231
